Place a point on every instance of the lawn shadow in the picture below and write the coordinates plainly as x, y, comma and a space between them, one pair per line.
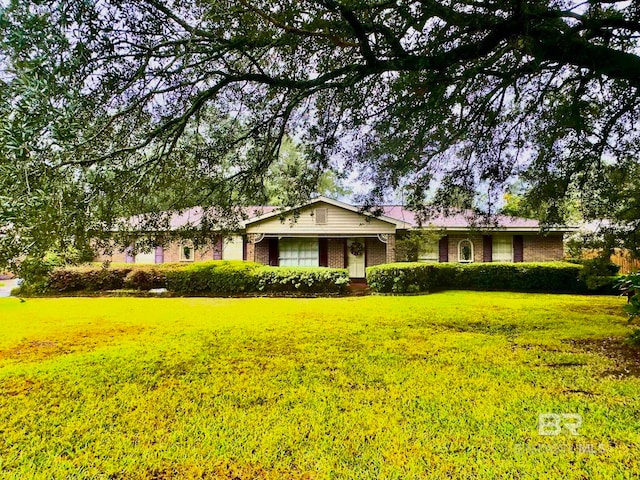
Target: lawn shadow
625, 357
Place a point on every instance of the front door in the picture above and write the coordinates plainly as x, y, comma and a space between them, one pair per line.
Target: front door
355, 257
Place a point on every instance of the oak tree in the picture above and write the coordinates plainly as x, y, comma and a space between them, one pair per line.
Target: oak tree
100, 102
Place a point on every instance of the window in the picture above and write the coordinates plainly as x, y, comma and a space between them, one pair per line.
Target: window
465, 251
146, 257
187, 252
502, 248
431, 252
320, 215
299, 252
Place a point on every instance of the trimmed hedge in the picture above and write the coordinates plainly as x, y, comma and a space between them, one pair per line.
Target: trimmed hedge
219, 277
94, 278
304, 280
214, 278
549, 277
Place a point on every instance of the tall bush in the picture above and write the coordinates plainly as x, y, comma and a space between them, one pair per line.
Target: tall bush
552, 277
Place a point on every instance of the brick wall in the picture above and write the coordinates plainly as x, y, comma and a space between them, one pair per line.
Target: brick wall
262, 252
453, 246
115, 257
391, 249
251, 252
539, 248
172, 253
335, 252
376, 252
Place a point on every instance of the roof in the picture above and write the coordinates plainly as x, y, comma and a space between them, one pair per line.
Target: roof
276, 211
467, 220
397, 215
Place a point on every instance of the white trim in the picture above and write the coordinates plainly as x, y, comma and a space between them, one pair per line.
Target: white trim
181, 252
460, 260
329, 201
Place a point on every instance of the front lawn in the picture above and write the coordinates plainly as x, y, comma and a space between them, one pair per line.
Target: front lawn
448, 385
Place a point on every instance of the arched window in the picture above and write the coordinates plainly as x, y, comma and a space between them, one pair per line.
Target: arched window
465, 251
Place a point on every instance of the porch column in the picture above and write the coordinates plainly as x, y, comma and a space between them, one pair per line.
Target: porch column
391, 248
251, 251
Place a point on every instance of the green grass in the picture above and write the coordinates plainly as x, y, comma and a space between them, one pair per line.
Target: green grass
441, 386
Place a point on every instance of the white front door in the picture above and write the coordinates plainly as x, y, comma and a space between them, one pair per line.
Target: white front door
355, 257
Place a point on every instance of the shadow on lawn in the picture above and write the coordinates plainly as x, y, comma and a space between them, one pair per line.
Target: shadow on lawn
40, 349
625, 356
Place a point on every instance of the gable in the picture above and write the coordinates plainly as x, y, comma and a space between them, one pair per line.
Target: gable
320, 218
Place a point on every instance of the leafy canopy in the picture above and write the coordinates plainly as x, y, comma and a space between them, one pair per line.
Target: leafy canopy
104, 103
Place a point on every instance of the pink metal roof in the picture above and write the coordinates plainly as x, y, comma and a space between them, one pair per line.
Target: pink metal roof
458, 220
192, 218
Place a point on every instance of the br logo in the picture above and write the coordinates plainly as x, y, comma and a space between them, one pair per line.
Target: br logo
554, 423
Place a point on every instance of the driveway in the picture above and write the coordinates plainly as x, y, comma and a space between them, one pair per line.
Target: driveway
6, 287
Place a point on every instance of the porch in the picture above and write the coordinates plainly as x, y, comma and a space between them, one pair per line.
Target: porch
353, 253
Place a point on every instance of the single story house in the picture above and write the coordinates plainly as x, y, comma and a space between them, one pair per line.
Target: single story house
329, 233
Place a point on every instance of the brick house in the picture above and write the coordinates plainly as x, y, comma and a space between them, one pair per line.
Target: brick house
330, 233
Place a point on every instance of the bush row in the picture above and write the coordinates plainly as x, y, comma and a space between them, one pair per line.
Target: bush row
202, 278
549, 277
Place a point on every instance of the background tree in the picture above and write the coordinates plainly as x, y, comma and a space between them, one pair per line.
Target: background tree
454, 98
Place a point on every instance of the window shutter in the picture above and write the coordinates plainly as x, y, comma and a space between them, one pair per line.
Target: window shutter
273, 252
321, 215
217, 248
128, 255
159, 255
443, 246
518, 248
487, 248
323, 251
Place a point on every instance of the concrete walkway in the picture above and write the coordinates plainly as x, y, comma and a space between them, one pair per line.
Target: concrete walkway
6, 287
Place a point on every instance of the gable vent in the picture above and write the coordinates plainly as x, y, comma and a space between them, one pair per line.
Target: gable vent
320, 215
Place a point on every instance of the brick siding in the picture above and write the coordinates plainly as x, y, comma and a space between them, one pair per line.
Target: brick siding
454, 240
543, 249
335, 253
391, 249
262, 252
376, 252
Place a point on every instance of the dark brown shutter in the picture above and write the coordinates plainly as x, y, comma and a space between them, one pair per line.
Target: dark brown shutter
244, 248
273, 252
443, 246
366, 249
487, 248
217, 248
518, 248
323, 251
346, 255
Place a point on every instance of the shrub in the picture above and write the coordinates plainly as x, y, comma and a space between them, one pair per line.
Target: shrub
92, 279
302, 279
145, 279
552, 277
411, 277
219, 277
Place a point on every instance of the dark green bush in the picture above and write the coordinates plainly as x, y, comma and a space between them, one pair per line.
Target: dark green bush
91, 279
552, 277
411, 277
218, 277
301, 279
145, 279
